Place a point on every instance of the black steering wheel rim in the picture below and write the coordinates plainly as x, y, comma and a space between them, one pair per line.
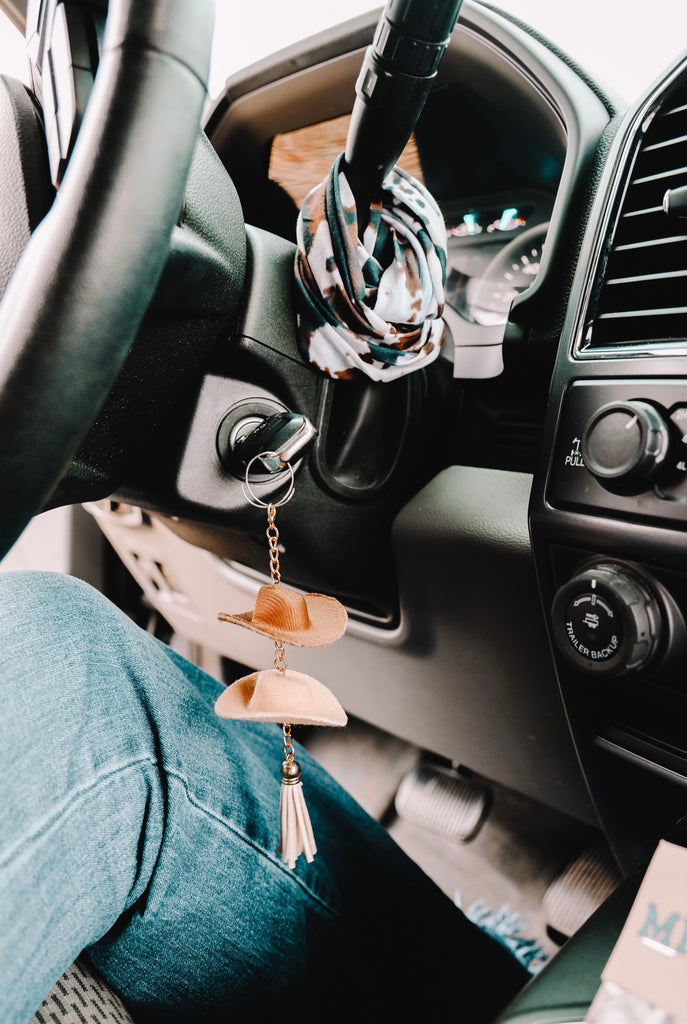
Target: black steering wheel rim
84, 282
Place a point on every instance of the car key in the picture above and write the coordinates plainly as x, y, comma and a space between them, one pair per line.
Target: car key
276, 441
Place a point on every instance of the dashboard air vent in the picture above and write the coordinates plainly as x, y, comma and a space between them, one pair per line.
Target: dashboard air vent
642, 296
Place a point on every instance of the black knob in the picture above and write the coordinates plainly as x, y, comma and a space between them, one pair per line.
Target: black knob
624, 445
675, 202
607, 620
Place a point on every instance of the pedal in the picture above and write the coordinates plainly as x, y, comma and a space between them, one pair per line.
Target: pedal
442, 800
582, 886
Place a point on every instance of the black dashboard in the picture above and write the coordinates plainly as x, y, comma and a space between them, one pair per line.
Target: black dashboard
609, 506
435, 470
592, 401
562, 349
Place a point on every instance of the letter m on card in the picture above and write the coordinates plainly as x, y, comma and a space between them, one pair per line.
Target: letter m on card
650, 957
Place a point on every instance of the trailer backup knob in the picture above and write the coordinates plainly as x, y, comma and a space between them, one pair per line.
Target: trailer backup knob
606, 620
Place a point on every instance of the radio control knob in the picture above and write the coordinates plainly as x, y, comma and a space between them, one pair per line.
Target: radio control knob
606, 620
624, 445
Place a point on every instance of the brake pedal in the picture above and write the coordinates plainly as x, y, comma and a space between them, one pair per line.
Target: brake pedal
442, 800
580, 888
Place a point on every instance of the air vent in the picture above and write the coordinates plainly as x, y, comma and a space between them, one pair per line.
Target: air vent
643, 293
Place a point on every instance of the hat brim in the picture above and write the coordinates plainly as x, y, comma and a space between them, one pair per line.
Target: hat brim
327, 616
274, 696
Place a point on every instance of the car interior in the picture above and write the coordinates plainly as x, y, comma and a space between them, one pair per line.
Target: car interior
505, 526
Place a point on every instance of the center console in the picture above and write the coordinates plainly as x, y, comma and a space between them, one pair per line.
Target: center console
608, 514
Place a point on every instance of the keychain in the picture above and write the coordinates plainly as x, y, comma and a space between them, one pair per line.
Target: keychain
280, 694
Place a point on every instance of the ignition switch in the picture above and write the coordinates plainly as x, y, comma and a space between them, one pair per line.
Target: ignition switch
279, 438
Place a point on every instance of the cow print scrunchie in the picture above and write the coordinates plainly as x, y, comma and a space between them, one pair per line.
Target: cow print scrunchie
373, 306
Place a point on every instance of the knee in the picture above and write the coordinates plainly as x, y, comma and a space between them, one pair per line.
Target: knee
70, 710
38, 609
33, 592
51, 626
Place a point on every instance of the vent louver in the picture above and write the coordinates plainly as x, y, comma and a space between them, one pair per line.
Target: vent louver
643, 294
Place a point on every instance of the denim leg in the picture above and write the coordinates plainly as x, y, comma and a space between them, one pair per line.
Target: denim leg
137, 824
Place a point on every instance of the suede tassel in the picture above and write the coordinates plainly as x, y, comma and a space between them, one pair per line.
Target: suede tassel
296, 831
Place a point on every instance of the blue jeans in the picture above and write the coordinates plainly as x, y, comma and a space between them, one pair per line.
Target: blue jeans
138, 826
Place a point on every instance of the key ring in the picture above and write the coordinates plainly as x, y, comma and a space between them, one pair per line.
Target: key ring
250, 495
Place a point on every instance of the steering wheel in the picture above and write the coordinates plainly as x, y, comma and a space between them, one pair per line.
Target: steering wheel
88, 273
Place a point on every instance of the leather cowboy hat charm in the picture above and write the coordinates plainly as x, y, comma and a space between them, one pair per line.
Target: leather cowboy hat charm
302, 620
281, 694
273, 695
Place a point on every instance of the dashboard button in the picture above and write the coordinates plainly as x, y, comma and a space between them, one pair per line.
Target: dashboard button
572, 485
672, 485
606, 620
624, 444
679, 418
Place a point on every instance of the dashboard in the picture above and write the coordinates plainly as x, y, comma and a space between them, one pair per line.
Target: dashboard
540, 463
565, 351
609, 506
426, 480
495, 249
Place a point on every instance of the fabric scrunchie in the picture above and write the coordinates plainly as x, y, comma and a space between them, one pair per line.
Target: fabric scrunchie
373, 306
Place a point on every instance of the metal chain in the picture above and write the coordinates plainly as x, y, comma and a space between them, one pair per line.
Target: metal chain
279, 656
273, 541
289, 754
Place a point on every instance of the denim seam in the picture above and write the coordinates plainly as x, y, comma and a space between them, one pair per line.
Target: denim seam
267, 854
48, 822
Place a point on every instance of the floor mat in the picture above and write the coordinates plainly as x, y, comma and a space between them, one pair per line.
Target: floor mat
509, 929
509, 863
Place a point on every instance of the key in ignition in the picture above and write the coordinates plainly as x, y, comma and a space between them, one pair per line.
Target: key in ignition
278, 440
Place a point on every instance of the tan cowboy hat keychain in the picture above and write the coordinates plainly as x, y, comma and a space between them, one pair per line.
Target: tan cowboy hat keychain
280, 694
